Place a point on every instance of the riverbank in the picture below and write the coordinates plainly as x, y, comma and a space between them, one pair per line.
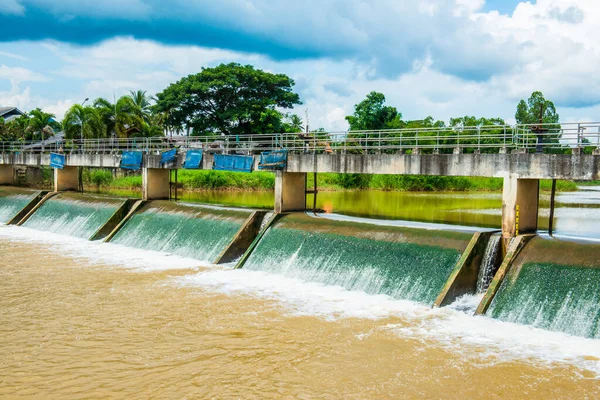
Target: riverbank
265, 181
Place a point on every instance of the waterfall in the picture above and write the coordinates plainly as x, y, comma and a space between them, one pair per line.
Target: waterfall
74, 214
489, 264
403, 263
193, 231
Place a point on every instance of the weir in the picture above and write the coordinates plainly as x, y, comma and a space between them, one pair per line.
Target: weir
187, 230
14, 200
404, 263
553, 285
74, 214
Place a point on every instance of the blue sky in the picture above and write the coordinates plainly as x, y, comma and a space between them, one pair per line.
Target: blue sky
443, 58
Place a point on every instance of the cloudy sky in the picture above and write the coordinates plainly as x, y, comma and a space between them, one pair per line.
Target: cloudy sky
444, 58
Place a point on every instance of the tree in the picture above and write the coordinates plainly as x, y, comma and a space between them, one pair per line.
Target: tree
529, 112
140, 105
86, 121
295, 123
118, 117
40, 123
228, 99
373, 114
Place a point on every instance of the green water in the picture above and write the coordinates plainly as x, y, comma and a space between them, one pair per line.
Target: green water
12, 201
377, 263
577, 213
188, 231
73, 214
554, 297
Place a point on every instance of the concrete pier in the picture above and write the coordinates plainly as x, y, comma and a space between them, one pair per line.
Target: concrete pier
520, 199
290, 191
155, 184
66, 179
6, 174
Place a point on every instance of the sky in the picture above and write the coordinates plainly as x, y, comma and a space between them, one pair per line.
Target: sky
444, 58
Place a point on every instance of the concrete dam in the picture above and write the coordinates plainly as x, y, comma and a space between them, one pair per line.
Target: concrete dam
544, 282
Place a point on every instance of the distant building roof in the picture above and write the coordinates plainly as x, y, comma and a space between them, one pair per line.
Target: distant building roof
6, 112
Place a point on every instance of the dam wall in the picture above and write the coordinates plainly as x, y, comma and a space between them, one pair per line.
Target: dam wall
546, 283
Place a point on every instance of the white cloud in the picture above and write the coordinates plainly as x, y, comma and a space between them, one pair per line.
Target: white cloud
550, 46
18, 75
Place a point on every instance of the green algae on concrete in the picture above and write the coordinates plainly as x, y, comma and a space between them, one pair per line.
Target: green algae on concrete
185, 230
404, 263
13, 200
553, 285
74, 214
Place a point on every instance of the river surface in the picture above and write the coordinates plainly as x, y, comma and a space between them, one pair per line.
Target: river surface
577, 214
95, 321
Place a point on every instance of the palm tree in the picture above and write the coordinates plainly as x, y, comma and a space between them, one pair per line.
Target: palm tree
296, 123
141, 105
40, 122
84, 121
117, 117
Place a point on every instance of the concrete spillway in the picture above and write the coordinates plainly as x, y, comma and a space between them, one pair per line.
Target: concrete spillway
74, 214
404, 263
549, 284
186, 230
13, 200
553, 285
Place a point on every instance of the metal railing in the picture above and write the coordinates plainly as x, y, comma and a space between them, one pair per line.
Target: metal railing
484, 139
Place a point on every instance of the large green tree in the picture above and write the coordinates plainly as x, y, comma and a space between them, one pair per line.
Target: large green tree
529, 112
373, 114
228, 99
533, 111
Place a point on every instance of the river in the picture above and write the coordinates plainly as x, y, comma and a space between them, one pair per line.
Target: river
87, 320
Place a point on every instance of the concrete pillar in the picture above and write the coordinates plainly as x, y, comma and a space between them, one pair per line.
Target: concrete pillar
6, 174
519, 206
155, 184
66, 179
290, 191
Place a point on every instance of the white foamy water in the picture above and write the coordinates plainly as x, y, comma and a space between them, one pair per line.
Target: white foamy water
480, 339
98, 253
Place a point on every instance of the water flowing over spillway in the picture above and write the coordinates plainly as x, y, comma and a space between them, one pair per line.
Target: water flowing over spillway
489, 263
404, 263
74, 214
186, 230
13, 200
553, 285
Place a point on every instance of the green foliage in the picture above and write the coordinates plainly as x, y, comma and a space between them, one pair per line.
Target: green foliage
529, 112
228, 99
373, 114
83, 121
97, 177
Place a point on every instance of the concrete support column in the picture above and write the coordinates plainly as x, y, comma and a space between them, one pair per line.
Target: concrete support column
519, 206
7, 174
290, 191
66, 179
155, 184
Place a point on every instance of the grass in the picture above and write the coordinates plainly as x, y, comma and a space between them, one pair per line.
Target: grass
265, 181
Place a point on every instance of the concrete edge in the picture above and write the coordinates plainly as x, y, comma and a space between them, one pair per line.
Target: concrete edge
134, 209
40, 203
258, 238
464, 277
513, 251
242, 239
114, 220
25, 210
